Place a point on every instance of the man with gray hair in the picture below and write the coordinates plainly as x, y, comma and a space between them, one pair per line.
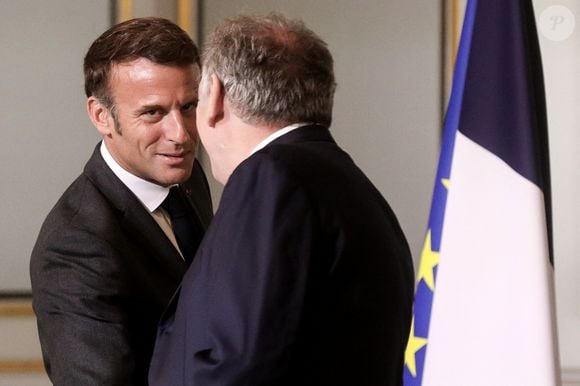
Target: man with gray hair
304, 276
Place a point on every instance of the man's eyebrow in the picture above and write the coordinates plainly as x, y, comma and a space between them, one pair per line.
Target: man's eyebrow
156, 106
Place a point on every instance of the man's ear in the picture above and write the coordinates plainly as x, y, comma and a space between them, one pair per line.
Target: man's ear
215, 100
100, 116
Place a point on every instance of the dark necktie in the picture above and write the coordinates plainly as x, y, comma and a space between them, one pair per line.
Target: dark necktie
186, 232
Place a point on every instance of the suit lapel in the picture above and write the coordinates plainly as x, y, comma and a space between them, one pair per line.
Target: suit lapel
136, 220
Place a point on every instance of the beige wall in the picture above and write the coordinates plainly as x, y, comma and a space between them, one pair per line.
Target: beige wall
45, 134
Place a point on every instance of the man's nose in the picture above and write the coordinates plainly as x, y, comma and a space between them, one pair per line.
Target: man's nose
177, 130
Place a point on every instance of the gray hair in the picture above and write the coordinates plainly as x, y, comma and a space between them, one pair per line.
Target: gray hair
273, 70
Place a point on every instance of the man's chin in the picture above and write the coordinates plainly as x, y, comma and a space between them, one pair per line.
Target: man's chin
174, 176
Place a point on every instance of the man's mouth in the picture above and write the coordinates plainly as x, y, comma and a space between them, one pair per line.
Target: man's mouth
174, 157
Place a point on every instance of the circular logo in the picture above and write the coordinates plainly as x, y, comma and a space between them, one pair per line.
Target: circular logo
557, 23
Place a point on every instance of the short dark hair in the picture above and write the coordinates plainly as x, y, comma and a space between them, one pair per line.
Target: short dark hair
274, 70
153, 38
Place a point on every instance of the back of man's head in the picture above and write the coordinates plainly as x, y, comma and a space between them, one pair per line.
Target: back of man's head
156, 39
274, 71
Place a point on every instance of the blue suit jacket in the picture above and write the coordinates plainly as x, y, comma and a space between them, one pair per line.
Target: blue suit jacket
304, 278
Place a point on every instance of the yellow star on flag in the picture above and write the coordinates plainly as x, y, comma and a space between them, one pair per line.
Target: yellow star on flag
445, 182
415, 344
429, 259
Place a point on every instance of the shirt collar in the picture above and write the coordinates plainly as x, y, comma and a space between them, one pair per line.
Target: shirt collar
277, 134
151, 195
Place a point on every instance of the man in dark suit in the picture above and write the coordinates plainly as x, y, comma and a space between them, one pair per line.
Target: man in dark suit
304, 276
108, 257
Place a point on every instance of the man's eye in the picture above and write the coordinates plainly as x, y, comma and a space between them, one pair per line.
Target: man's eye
152, 115
189, 106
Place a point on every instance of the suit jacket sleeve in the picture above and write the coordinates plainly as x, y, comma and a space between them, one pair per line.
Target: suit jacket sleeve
246, 293
81, 311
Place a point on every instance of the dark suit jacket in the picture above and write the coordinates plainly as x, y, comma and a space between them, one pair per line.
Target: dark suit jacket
304, 278
102, 273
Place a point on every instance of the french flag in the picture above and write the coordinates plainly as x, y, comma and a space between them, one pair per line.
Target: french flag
484, 305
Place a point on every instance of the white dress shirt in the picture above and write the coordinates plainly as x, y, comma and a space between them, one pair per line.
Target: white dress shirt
149, 194
277, 134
